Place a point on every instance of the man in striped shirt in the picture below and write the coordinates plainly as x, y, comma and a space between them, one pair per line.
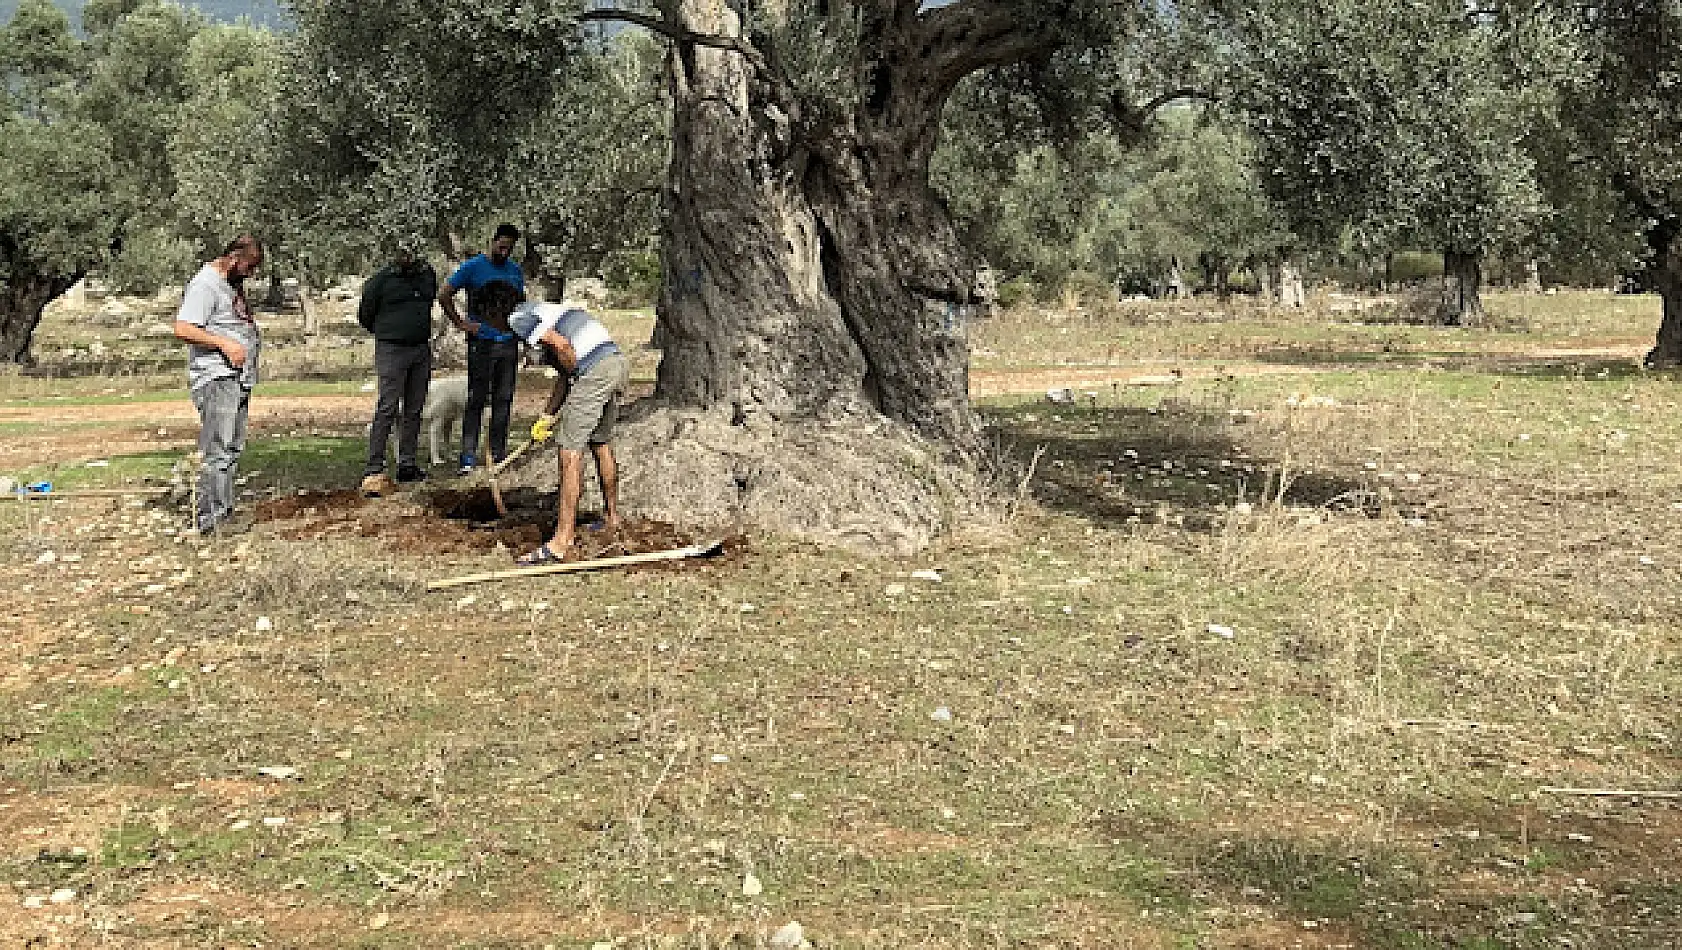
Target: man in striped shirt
582, 409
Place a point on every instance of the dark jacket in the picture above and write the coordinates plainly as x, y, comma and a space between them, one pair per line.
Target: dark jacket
397, 303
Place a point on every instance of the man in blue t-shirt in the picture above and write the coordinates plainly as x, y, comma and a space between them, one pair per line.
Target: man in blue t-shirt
493, 354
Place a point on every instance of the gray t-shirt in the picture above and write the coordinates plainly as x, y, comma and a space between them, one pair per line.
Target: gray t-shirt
212, 303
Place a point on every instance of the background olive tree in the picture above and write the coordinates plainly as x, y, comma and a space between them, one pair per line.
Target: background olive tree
91, 136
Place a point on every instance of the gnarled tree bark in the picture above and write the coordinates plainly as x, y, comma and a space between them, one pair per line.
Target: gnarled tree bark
813, 323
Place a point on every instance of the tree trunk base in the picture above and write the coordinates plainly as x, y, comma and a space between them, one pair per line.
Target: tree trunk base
1667, 349
858, 481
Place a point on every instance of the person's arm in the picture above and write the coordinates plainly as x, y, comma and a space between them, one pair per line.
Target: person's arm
190, 327
558, 395
447, 299
198, 336
566, 358
369, 305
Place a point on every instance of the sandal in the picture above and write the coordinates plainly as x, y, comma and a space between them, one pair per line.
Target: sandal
543, 555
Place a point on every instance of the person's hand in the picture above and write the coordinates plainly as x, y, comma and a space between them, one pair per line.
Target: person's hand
472, 329
542, 429
235, 352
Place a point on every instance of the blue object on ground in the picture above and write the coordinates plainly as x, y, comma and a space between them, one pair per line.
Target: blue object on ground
39, 488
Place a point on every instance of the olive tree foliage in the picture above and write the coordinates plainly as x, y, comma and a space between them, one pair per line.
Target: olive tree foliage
55, 221
1195, 199
86, 126
206, 156
1140, 214
585, 177
1621, 109
1391, 124
417, 123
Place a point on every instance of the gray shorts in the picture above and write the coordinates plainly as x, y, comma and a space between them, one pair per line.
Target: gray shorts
592, 405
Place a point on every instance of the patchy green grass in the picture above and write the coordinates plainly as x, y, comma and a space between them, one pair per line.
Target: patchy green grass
275, 463
1261, 661
1330, 332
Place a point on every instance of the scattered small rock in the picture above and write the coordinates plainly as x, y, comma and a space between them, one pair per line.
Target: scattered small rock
931, 576
1222, 631
379, 922
278, 772
264, 625
942, 714
895, 590
790, 936
751, 886
63, 895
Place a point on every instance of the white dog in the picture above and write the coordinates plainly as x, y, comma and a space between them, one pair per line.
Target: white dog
446, 403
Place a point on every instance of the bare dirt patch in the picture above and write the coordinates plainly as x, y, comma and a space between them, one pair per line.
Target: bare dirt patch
455, 521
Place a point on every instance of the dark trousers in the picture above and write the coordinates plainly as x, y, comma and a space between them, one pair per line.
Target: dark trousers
404, 371
491, 371
223, 405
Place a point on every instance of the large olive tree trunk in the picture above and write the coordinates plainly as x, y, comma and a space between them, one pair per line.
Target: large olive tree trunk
23, 298
813, 324
821, 274
1461, 304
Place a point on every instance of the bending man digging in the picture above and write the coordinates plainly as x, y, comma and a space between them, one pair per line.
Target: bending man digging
582, 409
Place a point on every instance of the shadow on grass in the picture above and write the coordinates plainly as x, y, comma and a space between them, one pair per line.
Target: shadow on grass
1116, 465
1432, 888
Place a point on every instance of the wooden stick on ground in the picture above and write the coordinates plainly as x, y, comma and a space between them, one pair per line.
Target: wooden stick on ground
1612, 793
677, 554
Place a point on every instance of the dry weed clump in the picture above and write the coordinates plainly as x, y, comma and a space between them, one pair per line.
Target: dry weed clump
321, 577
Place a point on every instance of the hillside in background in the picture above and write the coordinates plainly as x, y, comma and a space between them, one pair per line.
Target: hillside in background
266, 12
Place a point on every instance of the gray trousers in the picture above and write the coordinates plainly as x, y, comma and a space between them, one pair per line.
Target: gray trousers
404, 371
223, 406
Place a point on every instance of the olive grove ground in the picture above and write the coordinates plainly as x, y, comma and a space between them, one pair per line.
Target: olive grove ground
1153, 699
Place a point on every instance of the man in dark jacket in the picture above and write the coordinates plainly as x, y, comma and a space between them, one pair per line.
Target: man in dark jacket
397, 309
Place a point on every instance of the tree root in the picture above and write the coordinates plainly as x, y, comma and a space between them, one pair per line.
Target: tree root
855, 480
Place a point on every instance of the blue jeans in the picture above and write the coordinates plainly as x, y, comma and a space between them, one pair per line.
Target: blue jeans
223, 406
492, 369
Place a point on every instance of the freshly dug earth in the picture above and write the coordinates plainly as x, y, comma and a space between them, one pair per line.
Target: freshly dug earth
453, 522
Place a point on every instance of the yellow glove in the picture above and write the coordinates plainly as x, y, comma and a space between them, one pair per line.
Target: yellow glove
542, 429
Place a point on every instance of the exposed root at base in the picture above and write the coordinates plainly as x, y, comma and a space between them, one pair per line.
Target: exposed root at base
864, 483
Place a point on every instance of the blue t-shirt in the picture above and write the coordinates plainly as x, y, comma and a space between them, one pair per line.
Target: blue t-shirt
475, 272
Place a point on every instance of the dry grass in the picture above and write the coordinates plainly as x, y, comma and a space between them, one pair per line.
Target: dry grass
1188, 707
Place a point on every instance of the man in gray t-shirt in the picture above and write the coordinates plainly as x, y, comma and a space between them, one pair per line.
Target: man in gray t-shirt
223, 343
